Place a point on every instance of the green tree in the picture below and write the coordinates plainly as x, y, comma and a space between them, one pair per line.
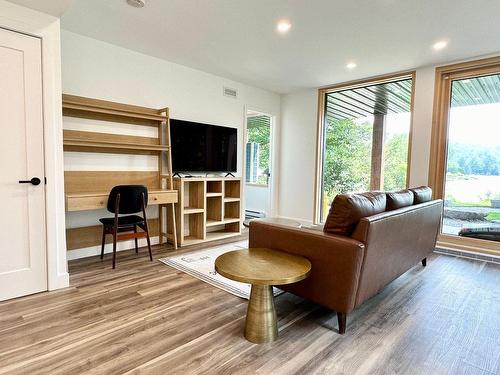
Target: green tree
347, 159
259, 131
396, 162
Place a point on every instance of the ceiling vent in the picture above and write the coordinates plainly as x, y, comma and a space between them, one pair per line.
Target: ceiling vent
230, 93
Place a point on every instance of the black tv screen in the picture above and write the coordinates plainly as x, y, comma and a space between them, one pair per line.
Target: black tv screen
198, 147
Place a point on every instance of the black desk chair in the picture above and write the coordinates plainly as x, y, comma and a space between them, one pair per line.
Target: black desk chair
126, 199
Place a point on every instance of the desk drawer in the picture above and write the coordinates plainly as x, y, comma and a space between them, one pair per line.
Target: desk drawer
162, 197
86, 203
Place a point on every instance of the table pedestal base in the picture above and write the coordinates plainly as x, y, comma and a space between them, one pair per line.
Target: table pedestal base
261, 325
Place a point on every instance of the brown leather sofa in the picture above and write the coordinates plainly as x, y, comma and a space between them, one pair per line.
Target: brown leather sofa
368, 240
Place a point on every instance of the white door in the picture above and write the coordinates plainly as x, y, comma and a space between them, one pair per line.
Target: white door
258, 163
22, 220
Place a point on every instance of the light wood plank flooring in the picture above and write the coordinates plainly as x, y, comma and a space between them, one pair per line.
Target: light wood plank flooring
149, 318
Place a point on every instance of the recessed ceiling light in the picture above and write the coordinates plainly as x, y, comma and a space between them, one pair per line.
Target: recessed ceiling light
283, 26
136, 3
440, 45
351, 65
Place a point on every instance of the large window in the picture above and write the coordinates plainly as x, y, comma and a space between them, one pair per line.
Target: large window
364, 138
465, 159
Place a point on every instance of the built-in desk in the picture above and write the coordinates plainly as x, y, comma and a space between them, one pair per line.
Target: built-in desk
97, 200
89, 190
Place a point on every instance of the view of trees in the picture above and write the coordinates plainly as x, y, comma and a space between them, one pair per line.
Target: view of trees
347, 159
259, 131
472, 159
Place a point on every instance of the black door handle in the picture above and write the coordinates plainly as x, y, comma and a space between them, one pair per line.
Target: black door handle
34, 181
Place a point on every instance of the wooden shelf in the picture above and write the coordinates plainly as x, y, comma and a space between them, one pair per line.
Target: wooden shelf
190, 240
111, 147
231, 199
229, 220
209, 195
193, 210
77, 106
116, 143
219, 235
212, 223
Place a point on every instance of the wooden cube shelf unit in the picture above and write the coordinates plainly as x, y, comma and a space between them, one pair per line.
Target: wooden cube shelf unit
209, 209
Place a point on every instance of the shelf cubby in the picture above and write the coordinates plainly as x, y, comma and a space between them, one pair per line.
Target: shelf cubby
194, 190
195, 225
232, 210
214, 208
232, 188
214, 187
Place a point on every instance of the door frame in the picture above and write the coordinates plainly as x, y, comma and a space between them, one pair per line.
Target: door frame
272, 185
22, 20
439, 143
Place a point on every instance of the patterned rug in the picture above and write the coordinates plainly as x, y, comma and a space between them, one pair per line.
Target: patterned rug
201, 264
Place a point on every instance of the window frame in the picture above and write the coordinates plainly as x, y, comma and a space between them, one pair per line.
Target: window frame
439, 144
322, 92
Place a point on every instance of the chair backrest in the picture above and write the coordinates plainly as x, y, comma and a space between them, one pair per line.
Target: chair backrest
130, 198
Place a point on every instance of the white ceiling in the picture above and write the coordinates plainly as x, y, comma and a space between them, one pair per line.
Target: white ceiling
53, 7
237, 39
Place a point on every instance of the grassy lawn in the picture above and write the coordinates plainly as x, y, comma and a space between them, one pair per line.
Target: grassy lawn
493, 216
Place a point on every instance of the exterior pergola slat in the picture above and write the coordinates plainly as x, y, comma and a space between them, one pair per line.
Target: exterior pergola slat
475, 91
395, 97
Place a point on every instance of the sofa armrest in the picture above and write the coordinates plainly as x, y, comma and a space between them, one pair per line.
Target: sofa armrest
336, 262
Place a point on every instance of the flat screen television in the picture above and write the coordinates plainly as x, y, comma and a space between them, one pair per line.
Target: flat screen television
198, 147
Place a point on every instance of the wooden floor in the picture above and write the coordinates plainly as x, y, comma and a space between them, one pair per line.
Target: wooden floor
149, 318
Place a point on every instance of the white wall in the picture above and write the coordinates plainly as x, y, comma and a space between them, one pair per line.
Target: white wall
100, 70
298, 144
257, 198
47, 28
298, 154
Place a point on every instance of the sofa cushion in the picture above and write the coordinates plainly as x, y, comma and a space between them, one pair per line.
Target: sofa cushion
421, 194
348, 209
399, 199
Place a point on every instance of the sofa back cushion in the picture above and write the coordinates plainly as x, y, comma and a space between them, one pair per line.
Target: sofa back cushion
348, 209
421, 194
399, 199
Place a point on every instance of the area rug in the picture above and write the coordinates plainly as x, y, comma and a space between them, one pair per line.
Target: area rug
201, 264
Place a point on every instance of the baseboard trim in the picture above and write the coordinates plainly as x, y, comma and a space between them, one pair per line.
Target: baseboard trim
61, 281
96, 250
468, 255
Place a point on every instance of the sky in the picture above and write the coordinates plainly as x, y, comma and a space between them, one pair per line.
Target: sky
475, 124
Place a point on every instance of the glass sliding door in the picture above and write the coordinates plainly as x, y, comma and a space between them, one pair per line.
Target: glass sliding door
464, 168
472, 179
364, 143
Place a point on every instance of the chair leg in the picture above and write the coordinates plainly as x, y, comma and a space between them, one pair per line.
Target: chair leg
424, 262
103, 241
342, 318
114, 248
149, 244
135, 239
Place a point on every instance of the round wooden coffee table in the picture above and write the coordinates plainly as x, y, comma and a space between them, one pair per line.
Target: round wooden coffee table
262, 268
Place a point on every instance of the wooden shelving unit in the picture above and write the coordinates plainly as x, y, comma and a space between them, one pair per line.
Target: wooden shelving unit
88, 189
209, 209
82, 141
